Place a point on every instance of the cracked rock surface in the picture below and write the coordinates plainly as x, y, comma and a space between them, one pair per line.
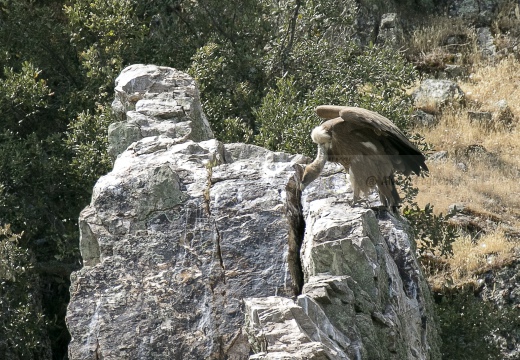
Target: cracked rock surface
173, 240
194, 249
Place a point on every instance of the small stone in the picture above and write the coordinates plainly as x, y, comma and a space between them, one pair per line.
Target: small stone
456, 208
482, 118
421, 118
439, 156
462, 167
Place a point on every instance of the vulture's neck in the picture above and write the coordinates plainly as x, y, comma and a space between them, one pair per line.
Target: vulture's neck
321, 158
313, 170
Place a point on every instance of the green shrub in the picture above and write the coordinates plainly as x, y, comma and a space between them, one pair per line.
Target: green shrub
373, 78
22, 324
87, 136
467, 326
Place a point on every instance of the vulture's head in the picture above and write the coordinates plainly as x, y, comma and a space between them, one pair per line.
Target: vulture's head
312, 171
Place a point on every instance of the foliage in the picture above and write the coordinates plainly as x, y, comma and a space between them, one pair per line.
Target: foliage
433, 234
35, 190
24, 97
22, 324
312, 62
373, 78
105, 34
467, 324
226, 89
88, 138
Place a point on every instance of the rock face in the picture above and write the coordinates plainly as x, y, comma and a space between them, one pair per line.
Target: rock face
479, 12
500, 287
373, 293
192, 251
486, 42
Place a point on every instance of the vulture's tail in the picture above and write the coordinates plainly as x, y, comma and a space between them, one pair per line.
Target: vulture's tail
387, 192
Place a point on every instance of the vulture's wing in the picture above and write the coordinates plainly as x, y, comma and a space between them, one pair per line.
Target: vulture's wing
356, 125
380, 125
329, 111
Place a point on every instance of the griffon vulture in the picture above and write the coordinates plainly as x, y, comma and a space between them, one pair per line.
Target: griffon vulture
369, 146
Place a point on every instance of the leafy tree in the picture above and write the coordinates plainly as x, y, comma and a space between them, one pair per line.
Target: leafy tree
374, 78
22, 323
25, 97
38, 194
105, 35
468, 324
229, 92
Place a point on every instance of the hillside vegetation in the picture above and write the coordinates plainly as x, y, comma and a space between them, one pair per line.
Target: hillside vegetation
262, 67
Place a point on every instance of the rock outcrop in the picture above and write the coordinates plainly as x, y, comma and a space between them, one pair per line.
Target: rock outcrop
194, 249
155, 100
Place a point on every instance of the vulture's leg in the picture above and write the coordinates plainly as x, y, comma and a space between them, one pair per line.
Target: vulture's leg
357, 199
356, 190
388, 194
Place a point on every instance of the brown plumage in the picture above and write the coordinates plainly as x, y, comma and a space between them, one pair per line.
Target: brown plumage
369, 146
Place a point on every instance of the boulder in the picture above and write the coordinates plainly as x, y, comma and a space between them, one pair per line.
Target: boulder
479, 12
502, 114
175, 237
486, 43
373, 292
433, 95
390, 30
421, 118
481, 118
438, 156
365, 24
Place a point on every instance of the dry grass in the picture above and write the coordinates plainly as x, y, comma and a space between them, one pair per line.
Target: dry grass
490, 179
491, 83
472, 258
443, 41
486, 181
507, 19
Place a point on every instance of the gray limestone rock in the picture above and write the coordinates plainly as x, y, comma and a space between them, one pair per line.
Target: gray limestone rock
486, 42
452, 71
203, 250
155, 100
480, 12
502, 114
363, 297
421, 118
381, 302
173, 240
481, 118
438, 156
282, 329
433, 95
500, 288
365, 23
390, 30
